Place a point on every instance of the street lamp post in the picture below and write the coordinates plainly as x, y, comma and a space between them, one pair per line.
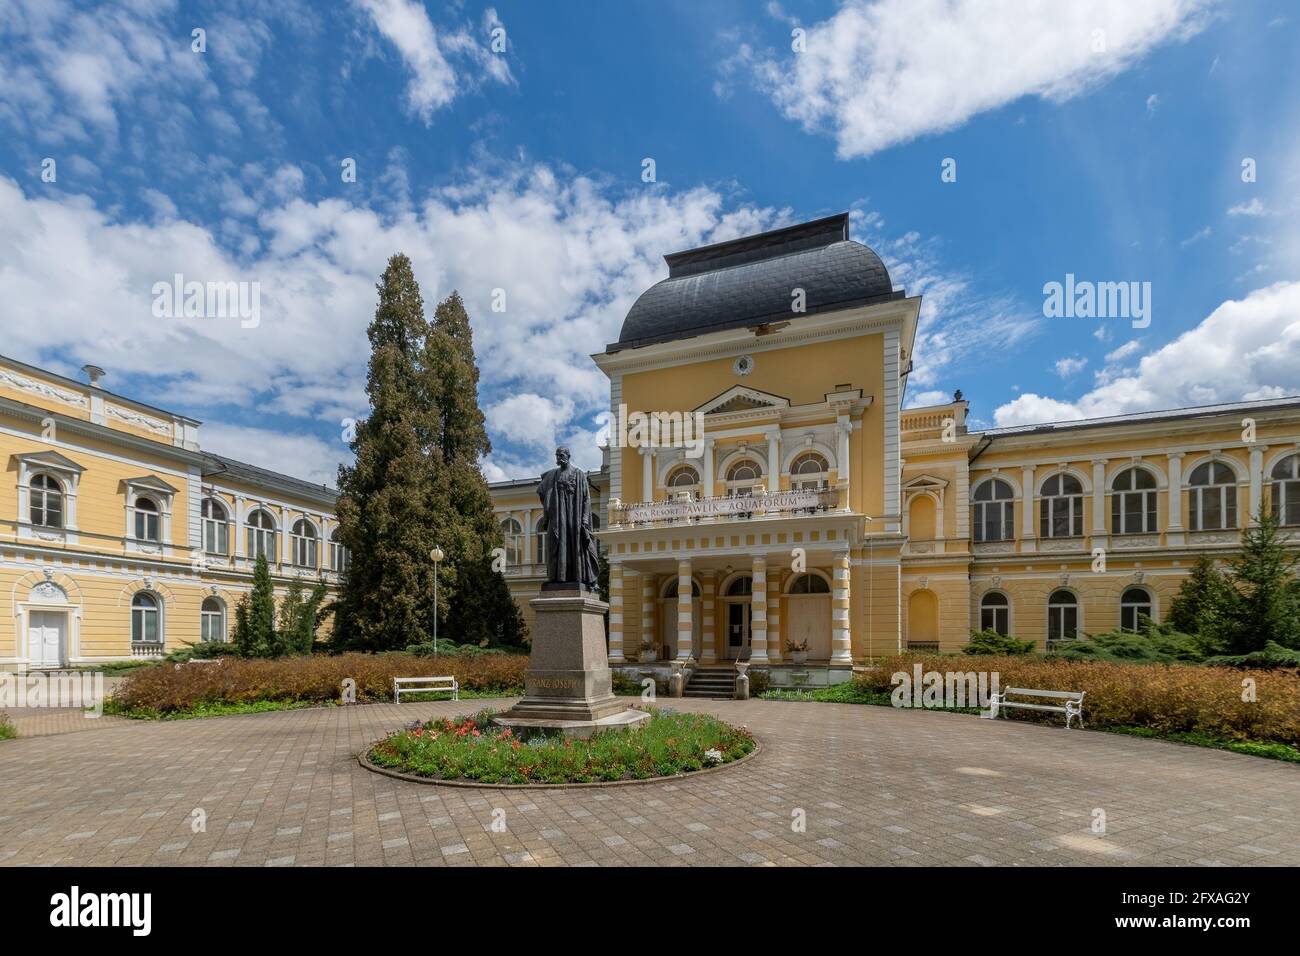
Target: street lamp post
437, 555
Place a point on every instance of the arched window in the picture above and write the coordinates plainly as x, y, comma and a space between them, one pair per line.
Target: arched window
809, 584
260, 530
671, 590
1133, 502
1061, 507
146, 520
216, 527
742, 477
995, 515
302, 538
145, 619
684, 477
1286, 490
1062, 616
339, 557
46, 501
212, 620
512, 533
995, 613
1213, 504
809, 472
741, 587
1134, 604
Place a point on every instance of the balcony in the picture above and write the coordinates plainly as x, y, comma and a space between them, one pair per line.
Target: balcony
688, 510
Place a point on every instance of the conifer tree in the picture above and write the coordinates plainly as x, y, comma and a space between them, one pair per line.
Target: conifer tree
1201, 598
255, 615
388, 499
1264, 602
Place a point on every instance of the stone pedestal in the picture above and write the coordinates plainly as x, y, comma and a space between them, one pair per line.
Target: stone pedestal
567, 688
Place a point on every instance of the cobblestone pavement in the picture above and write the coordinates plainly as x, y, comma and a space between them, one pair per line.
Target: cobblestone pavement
875, 786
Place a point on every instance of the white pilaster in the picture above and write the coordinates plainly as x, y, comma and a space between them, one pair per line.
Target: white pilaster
758, 613
685, 617
841, 647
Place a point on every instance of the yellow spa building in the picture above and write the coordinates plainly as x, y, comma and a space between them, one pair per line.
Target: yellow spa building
121, 538
813, 510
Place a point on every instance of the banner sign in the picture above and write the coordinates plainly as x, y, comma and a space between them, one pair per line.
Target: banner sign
710, 507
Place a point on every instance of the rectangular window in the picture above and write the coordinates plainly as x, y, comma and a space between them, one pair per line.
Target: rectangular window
146, 526
995, 619
216, 536
261, 542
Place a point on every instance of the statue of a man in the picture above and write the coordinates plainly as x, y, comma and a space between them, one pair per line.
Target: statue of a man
570, 541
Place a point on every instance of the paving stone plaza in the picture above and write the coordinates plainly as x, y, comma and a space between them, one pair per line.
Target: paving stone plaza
873, 786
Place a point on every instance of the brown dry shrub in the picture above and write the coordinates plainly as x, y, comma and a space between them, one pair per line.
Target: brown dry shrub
1170, 698
167, 688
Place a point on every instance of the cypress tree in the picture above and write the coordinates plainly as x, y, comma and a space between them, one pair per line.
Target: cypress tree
478, 604
387, 499
1201, 598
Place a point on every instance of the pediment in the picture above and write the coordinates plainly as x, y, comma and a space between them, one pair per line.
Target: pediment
738, 398
50, 459
150, 483
922, 482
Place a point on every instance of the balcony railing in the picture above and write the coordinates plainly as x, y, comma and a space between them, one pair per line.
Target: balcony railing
687, 509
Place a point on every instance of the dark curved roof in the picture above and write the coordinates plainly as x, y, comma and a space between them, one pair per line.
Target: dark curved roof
749, 281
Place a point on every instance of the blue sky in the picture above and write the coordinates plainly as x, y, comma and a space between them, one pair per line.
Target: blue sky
1102, 140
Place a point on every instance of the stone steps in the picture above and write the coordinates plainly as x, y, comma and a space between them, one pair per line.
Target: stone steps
711, 682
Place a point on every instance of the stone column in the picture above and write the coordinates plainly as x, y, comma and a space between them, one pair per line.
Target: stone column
1099, 502
774, 459
648, 602
1256, 486
708, 634
616, 614
238, 550
844, 428
286, 546
647, 475
1029, 513
1174, 501
774, 648
758, 613
707, 472
841, 645
685, 607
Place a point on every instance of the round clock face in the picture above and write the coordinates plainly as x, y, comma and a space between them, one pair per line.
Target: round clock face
744, 365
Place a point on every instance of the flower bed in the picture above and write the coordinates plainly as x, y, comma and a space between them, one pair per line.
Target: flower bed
472, 749
166, 689
1218, 702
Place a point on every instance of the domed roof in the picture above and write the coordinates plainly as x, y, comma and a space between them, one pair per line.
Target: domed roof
750, 281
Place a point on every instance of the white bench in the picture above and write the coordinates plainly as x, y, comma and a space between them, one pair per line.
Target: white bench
1073, 700
424, 685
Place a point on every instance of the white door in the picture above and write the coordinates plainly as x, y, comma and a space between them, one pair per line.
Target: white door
809, 619
45, 638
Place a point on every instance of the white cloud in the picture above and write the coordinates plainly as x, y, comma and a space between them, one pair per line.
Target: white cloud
302, 456
1070, 366
1129, 348
1252, 208
873, 79
1196, 237
425, 51
1153, 104
933, 397
1245, 349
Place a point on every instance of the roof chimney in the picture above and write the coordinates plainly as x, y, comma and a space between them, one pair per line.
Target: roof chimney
94, 373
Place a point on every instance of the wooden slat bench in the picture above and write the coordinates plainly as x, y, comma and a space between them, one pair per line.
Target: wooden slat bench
424, 685
1073, 702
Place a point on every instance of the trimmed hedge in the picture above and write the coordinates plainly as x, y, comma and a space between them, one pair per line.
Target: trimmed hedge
1167, 699
317, 678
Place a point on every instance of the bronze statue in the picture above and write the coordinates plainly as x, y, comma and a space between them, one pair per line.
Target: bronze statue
570, 541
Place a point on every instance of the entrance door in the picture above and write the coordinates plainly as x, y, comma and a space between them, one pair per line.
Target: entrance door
808, 618
738, 617
45, 638
668, 627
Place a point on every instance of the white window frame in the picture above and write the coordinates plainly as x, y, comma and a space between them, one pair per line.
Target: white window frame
303, 545
1285, 490
1147, 497
216, 531
140, 616
147, 520
1003, 609
206, 617
261, 540
339, 557
1062, 608
1149, 604
1007, 506
1198, 492
44, 494
1071, 503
